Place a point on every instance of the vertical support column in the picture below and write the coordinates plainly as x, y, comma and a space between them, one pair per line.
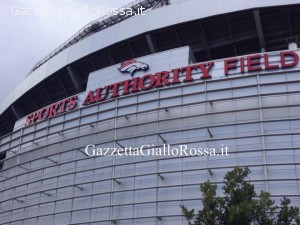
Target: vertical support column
177, 37
16, 173
75, 78
151, 43
157, 159
204, 40
262, 133
111, 221
18, 112
157, 185
208, 162
231, 34
259, 30
110, 58
77, 147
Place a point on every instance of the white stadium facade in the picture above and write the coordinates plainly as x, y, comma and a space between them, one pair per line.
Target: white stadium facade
204, 74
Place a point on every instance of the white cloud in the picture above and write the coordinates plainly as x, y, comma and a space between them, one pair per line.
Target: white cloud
27, 39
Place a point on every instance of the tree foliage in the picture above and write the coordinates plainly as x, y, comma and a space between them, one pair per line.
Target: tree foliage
264, 211
240, 204
287, 213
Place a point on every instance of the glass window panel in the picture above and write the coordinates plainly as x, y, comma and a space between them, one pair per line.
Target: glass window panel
219, 95
33, 187
72, 123
67, 156
147, 106
170, 124
145, 181
171, 102
284, 171
145, 167
128, 100
239, 92
20, 190
86, 189
63, 218
170, 179
221, 118
279, 100
279, 187
145, 210
102, 173
123, 197
64, 205
277, 127
84, 177
126, 132
33, 198
51, 171
46, 208
100, 214
125, 183
31, 211
81, 203
170, 164
64, 192
89, 110
191, 192
88, 119
282, 141
30, 222
146, 195
195, 121
101, 187
55, 128
122, 211
265, 89
193, 98
250, 158
173, 193
126, 110
17, 214
199, 87
100, 200
170, 92
169, 208
272, 79
46, 220
65, 180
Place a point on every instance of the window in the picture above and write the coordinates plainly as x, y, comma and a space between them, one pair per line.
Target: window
2, 157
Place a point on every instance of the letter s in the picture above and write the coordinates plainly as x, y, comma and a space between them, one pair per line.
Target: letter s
72, 103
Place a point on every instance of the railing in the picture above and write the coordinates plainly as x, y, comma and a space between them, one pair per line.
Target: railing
97, 25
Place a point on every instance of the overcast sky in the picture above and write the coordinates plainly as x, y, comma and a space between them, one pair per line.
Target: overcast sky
26, 39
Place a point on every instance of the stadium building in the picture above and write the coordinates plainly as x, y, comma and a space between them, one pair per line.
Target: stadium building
204, 74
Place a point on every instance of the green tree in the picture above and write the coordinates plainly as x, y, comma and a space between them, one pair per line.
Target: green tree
264, 212
240, 205
239, 194
188, 214
287, 213
212, 212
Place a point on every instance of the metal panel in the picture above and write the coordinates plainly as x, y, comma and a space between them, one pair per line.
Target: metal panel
57, 62
80, 49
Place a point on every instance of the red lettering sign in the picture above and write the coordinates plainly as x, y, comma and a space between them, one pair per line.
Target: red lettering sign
54, 109
256, 62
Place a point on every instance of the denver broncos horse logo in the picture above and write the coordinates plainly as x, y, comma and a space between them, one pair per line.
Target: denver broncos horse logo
131, 66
